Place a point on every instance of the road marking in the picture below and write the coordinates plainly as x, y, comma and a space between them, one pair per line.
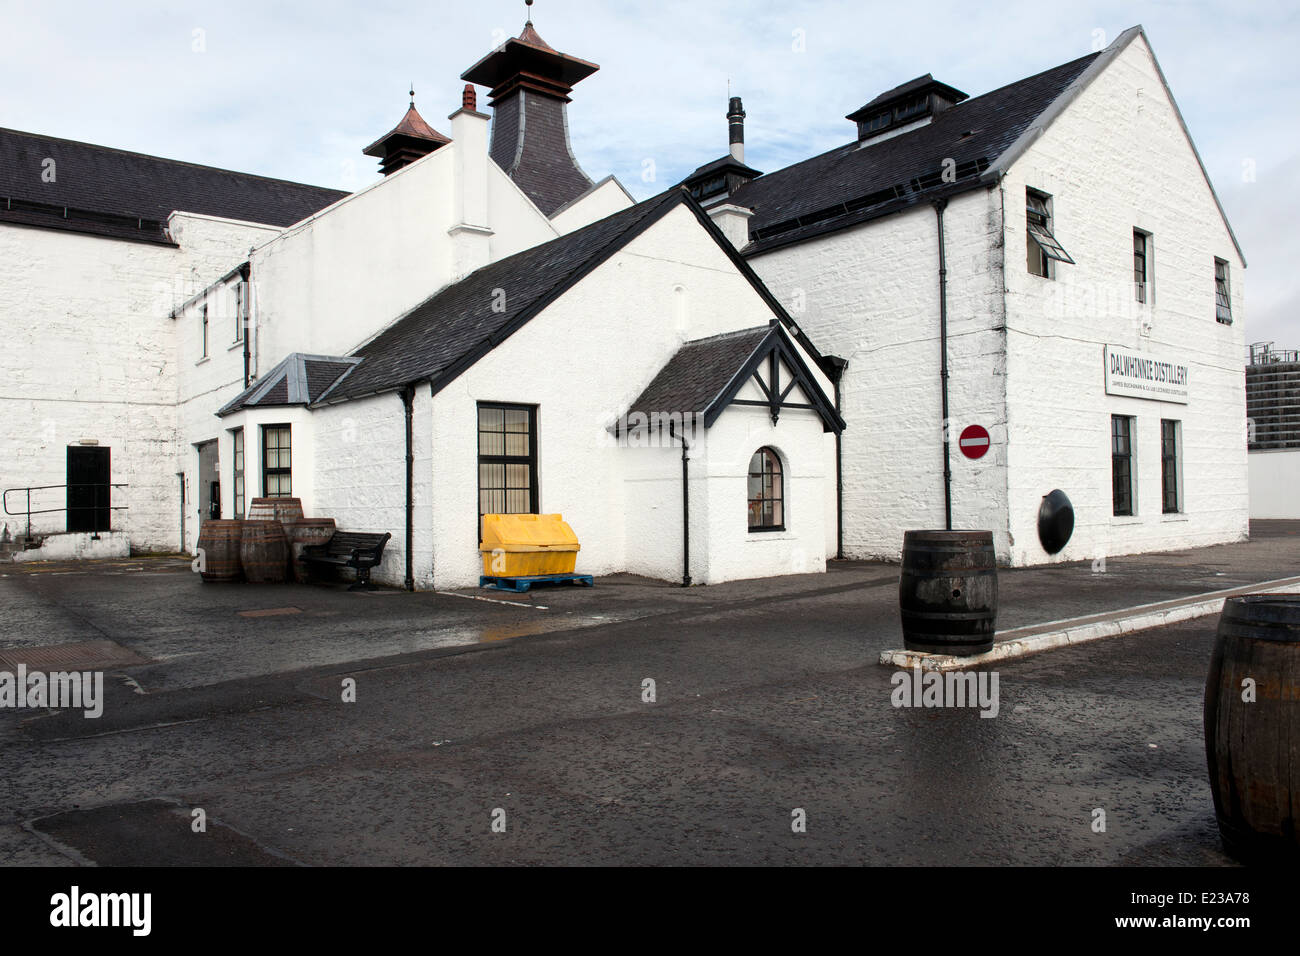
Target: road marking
475, 597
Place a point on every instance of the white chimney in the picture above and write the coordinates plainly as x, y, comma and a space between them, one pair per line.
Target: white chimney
470, 232
733, 220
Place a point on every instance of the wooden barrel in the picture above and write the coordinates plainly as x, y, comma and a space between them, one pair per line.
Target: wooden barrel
263, 552
301, 533
282, 510
1253, 746
948, 591
219, 541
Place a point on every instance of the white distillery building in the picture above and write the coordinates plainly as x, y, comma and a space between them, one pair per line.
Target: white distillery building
1053, 257
483, 330
488, 329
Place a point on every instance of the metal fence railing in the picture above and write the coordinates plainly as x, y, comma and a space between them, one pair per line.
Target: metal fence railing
1263, 353
101, 503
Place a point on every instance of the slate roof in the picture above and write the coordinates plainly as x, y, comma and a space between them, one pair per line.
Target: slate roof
926, 82
704, 376
298, 380
124, 195
852, 184
699, 373
448, 332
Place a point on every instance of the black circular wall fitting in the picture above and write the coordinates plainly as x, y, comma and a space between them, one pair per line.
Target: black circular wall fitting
1055, 521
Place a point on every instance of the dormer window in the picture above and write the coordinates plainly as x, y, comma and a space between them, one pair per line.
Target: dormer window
914, 101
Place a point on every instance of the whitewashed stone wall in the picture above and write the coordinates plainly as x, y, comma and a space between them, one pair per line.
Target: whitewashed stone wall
871, 295
91, 355
358, 460
731, 549
582, 362
1116, 160
1026, 361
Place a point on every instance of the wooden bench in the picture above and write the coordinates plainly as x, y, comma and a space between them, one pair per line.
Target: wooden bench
349, 549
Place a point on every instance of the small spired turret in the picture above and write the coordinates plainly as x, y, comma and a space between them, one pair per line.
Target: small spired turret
408, 141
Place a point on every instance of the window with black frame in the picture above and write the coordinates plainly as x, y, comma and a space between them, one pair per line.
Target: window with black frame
766, 492
1222, 294
277, 462
1169, 465
1141, 242
1121, 464
507, 459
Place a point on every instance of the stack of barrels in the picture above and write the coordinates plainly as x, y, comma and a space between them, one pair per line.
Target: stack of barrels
264, 548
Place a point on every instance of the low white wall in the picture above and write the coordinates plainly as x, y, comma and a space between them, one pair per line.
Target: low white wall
1275, 483
79, 545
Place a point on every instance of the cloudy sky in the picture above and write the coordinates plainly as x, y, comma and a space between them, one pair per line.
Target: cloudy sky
296, 90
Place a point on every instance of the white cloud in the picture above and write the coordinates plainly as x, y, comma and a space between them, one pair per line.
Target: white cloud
296, 90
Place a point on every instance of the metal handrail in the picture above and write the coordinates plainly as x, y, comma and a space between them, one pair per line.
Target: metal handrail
28, 511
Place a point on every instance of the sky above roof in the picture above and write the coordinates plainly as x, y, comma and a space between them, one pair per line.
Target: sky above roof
296, 90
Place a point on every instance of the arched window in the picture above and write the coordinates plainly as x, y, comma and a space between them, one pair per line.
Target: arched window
766, 492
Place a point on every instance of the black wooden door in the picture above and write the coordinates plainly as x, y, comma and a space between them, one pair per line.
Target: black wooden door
88, 490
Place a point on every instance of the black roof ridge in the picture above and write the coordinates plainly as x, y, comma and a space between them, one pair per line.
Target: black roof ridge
854, 144
175, 162
724, 335
651, 211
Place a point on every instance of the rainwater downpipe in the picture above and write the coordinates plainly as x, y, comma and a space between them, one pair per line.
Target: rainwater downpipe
686, 510
837, 366
245, 306
408, 401
943, 364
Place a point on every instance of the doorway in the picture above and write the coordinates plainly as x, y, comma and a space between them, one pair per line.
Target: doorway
88, 502
209, 479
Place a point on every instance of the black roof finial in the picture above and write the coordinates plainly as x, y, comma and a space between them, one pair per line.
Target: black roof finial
528, 13
412, 92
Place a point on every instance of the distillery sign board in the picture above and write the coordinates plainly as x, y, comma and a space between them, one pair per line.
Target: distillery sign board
1146, 375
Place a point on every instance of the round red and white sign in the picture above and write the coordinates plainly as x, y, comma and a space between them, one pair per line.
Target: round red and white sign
974, 441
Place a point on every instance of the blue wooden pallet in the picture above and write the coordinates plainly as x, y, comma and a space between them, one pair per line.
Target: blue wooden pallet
521, 584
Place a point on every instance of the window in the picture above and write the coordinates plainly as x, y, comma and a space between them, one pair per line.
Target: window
913, 107
239, 311
238, 436
1222, 294
766, 492
205, 332
507, 459
1169, 442
1121, 463
276, 462
1141, 273
1042, 247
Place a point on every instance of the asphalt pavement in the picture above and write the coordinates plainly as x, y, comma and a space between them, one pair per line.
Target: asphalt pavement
534, 713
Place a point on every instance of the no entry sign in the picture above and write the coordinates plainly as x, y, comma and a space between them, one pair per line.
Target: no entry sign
974, 441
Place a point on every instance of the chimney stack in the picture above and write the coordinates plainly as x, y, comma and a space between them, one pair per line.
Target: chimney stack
736, 128
471, 232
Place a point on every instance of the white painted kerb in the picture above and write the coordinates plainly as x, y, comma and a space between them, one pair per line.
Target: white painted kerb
1080, 630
